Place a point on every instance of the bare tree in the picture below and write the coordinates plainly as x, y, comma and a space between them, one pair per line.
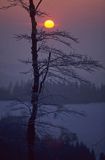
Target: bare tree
60, 64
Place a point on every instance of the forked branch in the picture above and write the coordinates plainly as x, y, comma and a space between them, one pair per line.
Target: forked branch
44, 78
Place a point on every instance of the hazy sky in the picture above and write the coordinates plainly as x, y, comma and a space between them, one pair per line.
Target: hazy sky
85, 19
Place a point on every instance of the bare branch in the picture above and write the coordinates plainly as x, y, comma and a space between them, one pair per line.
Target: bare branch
27, 72
44, 78
14, 3
56, 35
37, 6
9, 6
25, 61
22, 36
41, 14
24, 5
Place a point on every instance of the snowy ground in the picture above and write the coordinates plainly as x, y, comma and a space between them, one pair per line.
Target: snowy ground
90, 129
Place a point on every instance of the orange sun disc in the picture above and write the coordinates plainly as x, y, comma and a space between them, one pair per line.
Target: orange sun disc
49, 24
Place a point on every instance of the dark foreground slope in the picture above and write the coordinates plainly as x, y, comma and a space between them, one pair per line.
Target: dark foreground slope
14, 146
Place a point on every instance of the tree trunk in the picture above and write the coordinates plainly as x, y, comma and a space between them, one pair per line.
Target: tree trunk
35, 87
31, 130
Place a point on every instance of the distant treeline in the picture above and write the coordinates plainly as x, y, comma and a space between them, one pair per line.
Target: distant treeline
56, 93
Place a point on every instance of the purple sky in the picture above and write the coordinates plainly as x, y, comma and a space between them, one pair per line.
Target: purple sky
83, 18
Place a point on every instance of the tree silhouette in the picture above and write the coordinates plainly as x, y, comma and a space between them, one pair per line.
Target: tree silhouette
55, 63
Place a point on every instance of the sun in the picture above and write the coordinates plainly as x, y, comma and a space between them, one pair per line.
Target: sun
49, 24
